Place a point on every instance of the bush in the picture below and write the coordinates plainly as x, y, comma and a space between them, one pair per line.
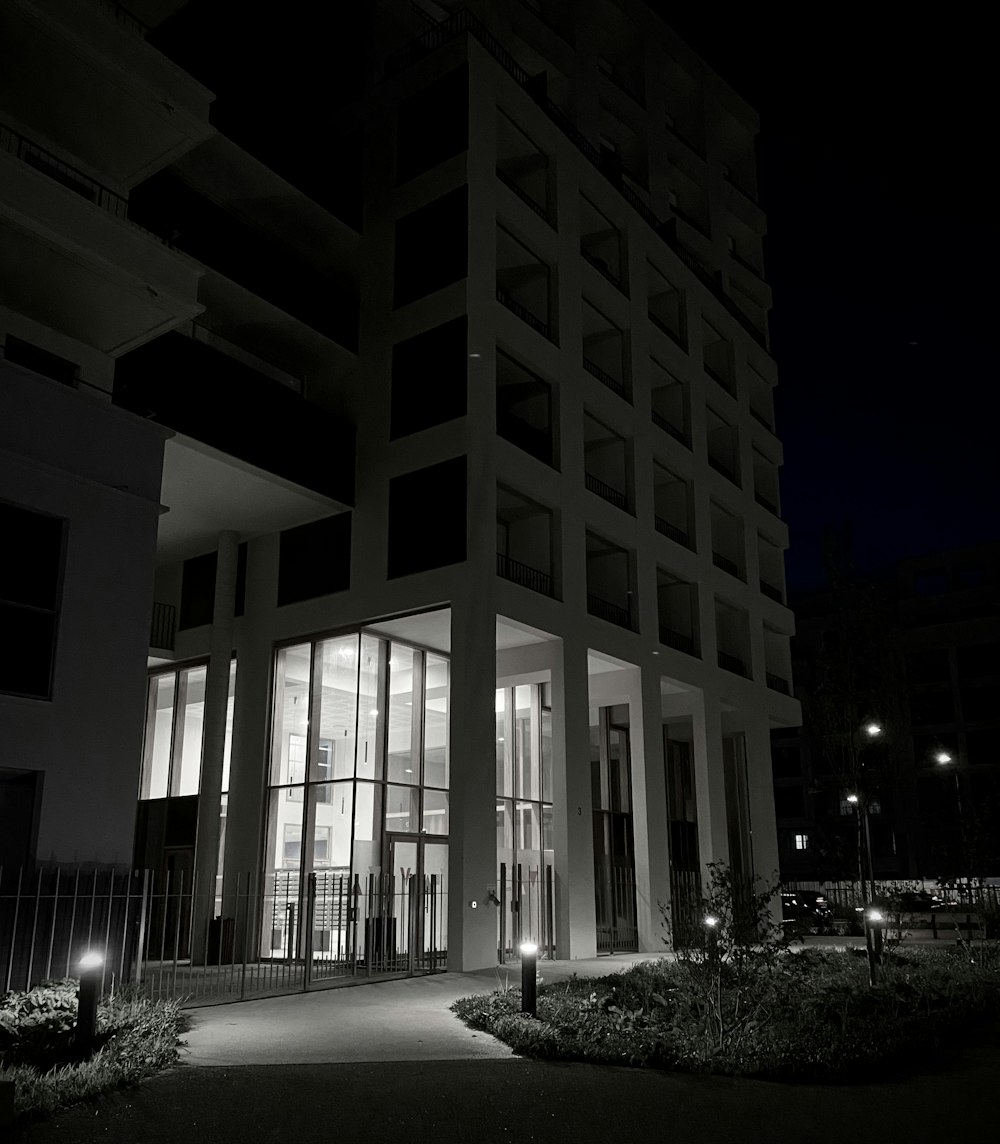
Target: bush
136, 1037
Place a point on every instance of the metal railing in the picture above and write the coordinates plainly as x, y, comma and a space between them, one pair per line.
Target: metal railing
730, 662
723, 379
766, 502
123, 16
724, 468
761, 418
246, 937
62, 173
677, 640
777, 683
617, 924
606, 491
661, 324
605, 378
605, 610
671, 531
669, 427
524, 574
727, 565
163, 626
772, 591
602, 268
523, 313
463, 21
522, 194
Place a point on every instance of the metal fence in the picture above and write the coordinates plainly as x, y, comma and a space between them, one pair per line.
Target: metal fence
527, 910
249, 937
617, 922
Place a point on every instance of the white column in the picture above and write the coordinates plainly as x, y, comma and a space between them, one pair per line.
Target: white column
472, 854
214, 742
572, 811
649, 810
710, 783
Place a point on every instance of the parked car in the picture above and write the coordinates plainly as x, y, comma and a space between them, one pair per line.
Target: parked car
807, 907
921, 901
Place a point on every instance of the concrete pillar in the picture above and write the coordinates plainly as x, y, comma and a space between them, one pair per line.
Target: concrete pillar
710, 783
213, 744
572, 811
649, 809
472, 931
763, 830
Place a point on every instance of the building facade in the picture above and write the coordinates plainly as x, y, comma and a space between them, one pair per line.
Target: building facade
420, 393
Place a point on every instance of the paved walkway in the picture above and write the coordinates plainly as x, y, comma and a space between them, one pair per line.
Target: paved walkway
404, 1020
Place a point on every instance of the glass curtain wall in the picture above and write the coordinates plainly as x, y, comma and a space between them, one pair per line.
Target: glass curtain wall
359, 764
614, 856
525, 855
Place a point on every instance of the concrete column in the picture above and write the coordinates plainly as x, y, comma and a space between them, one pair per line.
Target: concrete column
572, 810
213, 745
649, 809
763, 830
710, 783
472, 931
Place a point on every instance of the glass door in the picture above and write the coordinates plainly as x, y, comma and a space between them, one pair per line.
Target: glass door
419, 923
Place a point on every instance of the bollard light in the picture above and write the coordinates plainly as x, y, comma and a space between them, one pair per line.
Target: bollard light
90, 965
529, 953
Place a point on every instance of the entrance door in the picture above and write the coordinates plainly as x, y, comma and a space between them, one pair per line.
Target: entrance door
419, 869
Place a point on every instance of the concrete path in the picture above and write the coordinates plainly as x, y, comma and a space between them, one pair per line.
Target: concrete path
405, 1020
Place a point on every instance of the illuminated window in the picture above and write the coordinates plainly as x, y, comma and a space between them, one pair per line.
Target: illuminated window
801, 841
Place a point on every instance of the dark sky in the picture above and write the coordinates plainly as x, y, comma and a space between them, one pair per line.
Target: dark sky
882, 256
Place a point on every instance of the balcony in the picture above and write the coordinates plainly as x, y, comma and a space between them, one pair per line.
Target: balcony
777, 683
727, 565
671, 531
203, 394
524, 574
761, 418
764, 502
163, 626
602, 268
604, 377
729, 662
523, 313
661, 422
772, 592
606, 492
605, 610
677, 640
724, 467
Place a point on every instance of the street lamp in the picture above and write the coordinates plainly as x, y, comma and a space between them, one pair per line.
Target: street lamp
873, 730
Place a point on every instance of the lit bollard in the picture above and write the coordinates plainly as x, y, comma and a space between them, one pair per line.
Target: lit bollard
873, 944
86, 1010
529, 953
712, 938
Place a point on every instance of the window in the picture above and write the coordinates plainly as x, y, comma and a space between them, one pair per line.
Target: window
433, 124
315, 559
40, 361
524, 409
801, 841
429, 378
432, 247
427, 525
30, 590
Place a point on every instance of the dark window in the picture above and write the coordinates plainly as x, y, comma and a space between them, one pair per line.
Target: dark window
524, 409
41, 361
981, 703
427, 527
198, 591
429, 378
928, 666
433, 125
315, 559
786, 762
432, 247
936, 706
982, 747
20, 803
788, 802
979, 659
30, 579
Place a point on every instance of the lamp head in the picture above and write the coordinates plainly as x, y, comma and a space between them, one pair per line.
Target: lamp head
942, 758
711, 921
91, 960
528, 948
873, 730
852, 798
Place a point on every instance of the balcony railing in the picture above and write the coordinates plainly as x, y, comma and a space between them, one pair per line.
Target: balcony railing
163, 626
772, 591
537, 442
727, 565
524, 574
739, 186
723, 379
730, 662
608, 492
604, 377
523, 313
678, 535
671, 428
766, 502
523, 195
464, 22
676, 640
69, 177
605, 610
694, 223
123, 16
602, 268
764, 420
674, 335
777, 683
721, 466
738, 258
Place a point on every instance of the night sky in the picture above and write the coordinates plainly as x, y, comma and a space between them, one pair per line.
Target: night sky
882, 256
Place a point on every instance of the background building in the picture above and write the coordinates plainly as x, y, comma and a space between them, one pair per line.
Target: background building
420, 393
930, 819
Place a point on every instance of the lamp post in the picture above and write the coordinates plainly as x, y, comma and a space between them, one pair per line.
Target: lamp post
712, 937
529, 953
944, 759
873, 943
87, 997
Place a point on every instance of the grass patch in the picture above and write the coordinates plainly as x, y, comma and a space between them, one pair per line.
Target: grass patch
136, 1037
800, 1016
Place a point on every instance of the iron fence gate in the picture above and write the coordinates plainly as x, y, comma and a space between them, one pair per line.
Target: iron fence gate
617, 925
527, 910
162, 934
